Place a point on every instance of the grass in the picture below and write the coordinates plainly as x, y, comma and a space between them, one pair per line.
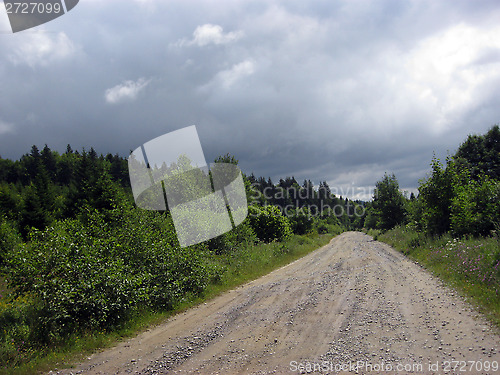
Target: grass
243, 265
374, 233
469, 265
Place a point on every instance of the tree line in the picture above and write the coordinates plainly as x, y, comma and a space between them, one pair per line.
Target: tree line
460, 196
45, 186
77, 255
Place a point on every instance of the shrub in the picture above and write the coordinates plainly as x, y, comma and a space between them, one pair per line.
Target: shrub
322, 228
268, 223
94, 274
475, 207
241, 236
9, 239
300, 221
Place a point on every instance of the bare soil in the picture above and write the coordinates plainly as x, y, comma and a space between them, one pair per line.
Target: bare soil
352, 305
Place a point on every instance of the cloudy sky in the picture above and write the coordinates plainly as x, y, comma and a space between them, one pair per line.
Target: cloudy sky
341, 91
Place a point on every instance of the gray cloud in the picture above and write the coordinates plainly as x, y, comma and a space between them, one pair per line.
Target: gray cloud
125, 91
339, 91
5, 127
209, 34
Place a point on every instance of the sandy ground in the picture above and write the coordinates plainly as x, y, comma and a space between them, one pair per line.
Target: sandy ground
353, 306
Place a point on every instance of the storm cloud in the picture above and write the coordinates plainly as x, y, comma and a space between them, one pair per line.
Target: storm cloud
341, 91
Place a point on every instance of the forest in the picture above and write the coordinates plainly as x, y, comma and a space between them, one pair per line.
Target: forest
78, 258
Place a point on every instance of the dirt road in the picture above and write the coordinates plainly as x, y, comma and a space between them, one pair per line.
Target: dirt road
353, 305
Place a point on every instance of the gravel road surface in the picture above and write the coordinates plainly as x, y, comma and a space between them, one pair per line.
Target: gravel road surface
353, 306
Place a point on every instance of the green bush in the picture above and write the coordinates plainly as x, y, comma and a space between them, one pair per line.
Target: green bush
9, 240
375, 233
93, 274
269, 224
475, 207
241, 236
301, 220
14, 333
322, 228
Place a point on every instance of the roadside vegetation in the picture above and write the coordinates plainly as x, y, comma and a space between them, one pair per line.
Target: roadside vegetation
470, 265
81, 265
453, 226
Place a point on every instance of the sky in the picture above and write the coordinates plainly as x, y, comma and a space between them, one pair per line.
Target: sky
328, 90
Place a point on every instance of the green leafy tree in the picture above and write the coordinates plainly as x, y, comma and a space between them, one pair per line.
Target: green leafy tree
481, 154
388, 204
475, 205
435, 195
462, 195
